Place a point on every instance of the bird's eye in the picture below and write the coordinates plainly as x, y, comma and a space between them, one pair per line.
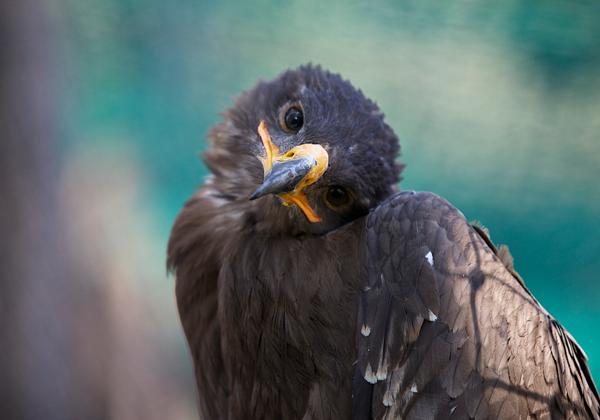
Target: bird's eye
293, 119
337, 196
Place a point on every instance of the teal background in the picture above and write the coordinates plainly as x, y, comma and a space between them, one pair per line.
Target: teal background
497, 106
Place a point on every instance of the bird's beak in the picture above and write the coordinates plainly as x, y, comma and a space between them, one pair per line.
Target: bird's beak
288, 174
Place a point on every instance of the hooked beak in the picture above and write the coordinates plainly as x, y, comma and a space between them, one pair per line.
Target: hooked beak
284, 177
288, 174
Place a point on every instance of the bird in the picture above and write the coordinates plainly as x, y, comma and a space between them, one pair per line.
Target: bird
311, 286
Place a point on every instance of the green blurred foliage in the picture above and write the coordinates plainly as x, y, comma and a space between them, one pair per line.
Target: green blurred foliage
497, 106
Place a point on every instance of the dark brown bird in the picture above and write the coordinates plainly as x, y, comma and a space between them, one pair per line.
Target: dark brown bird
352, 300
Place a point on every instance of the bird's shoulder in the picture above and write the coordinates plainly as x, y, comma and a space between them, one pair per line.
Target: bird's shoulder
413, 209
412, 206
199, 226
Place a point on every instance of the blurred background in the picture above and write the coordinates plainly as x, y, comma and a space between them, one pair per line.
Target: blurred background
104, 109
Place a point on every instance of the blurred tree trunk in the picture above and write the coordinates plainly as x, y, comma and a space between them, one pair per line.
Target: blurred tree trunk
39, 375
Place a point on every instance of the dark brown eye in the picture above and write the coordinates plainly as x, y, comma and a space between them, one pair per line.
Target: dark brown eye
337, 196
293, 119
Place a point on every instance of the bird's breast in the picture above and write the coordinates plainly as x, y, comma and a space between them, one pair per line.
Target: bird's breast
288, 311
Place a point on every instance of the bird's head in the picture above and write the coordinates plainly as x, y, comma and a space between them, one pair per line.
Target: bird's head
304, 153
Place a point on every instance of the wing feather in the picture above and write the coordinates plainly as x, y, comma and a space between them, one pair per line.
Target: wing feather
448, 329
